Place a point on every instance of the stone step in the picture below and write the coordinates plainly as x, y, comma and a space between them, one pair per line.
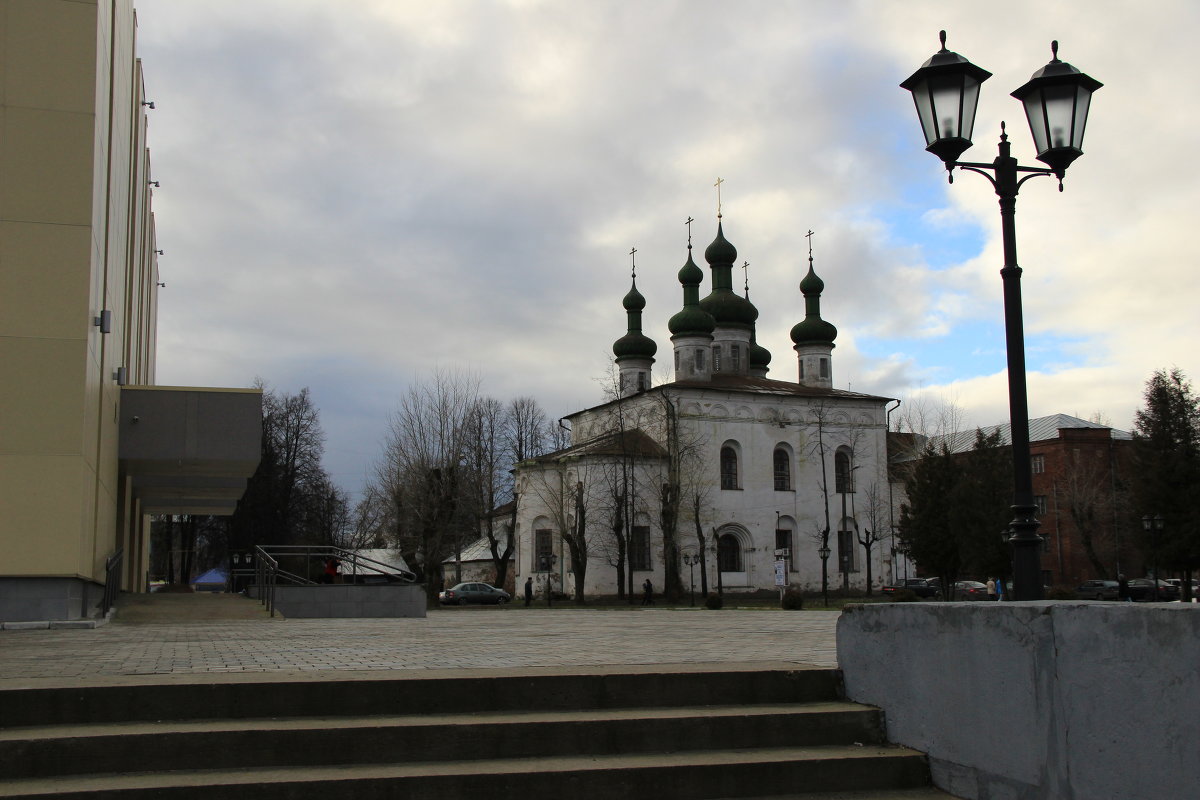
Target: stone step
33, 752
755, 772
263, 695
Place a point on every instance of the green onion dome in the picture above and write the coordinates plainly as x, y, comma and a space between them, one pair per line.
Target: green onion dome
634, 344
692, 319
760, 357
725, 306
813, 329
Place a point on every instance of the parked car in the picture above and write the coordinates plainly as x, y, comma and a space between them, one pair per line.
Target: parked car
970, 590
1143, 590
463, 593
1097, 590
918, 586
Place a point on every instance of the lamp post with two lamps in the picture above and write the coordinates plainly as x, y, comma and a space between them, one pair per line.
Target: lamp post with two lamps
823, 551
1056, 99
691, 558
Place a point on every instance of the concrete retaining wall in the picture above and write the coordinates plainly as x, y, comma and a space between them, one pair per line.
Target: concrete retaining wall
1033, 701
350, 600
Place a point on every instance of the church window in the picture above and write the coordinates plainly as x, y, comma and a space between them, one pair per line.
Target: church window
700, 360
783, 470
729, 553
676, 360
846, 550
729, 468
735, 358
824, 367
642, 383
543, 547
716, 358
639, 547
802, 369
843, 472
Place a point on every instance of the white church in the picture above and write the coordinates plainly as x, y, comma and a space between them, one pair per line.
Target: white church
722, 471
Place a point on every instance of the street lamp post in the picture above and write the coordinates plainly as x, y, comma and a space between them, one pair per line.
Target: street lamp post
1056, 99
823, 551
1155, 525
691, 559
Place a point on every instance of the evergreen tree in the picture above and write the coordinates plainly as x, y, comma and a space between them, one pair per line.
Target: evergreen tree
926, 530
1166, 437
983, 507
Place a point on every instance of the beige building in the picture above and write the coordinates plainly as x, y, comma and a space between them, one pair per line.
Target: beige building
89, 446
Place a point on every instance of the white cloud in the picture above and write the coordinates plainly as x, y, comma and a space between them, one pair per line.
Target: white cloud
354, 192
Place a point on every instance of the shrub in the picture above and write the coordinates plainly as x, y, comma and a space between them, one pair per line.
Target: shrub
1061, 593
792, 600
713, 602
905, 596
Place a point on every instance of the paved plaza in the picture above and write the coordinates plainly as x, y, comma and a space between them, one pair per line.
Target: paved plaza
453, 638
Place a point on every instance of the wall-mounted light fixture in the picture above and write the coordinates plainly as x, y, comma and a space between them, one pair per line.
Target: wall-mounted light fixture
148, 104
155, 184
121, 376
104, 321
160, 252
161, 284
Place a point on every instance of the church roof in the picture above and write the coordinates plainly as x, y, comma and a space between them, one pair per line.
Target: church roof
748, 385
632, 442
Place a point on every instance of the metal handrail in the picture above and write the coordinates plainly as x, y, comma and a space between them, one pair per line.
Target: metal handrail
266, 570
112, 580
357, 563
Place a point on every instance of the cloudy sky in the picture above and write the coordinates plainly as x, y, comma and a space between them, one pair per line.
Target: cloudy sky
357, 193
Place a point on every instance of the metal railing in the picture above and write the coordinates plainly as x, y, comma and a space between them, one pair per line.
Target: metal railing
266, 573
112, 580
354, 566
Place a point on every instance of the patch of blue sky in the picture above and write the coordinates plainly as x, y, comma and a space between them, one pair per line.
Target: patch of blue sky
976, 349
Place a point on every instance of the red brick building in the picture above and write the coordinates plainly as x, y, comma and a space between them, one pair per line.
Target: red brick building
1079, 485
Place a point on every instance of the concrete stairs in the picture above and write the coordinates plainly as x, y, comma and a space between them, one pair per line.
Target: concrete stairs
574, 733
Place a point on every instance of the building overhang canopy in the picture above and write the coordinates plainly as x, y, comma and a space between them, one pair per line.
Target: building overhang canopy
189, 450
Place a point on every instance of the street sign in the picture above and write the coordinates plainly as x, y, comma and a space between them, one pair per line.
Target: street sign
781, 573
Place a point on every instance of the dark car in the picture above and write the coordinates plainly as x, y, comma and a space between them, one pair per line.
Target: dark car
1143, 590
1097, 590
971, 590
918, 586
463, 593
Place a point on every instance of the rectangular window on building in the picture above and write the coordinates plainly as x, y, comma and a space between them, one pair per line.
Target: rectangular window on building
802, 369
639, 548
735, 358
846, 551
716, 358
1038, 463
1040, 502
676, 359
700, 361
543, 549
824, 367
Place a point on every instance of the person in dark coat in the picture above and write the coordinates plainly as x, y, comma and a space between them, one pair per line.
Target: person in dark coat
1123, 589
647, 593
528, 591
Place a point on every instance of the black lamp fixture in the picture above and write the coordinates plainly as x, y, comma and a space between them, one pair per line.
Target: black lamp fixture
1057, 99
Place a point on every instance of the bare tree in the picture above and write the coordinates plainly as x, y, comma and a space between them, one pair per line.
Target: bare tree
422, 470
875, 509
566, 492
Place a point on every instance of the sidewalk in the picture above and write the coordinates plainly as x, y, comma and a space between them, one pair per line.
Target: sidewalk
452, 638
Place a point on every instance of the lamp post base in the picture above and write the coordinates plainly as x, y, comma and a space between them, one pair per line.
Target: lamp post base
1027, 555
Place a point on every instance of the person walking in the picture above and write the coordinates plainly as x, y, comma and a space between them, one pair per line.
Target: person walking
647, 593
991, 588
1123, 589
528, 591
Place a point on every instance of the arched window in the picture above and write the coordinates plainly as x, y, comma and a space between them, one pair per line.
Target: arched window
843, 471
783, 470
729, 553
729, 467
